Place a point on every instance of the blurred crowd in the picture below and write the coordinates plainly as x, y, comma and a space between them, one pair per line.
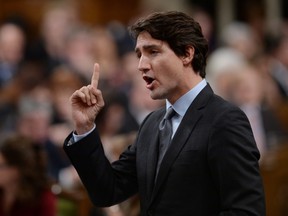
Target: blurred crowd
245, 66
37, 79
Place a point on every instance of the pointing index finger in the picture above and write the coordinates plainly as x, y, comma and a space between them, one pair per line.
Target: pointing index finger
95, 76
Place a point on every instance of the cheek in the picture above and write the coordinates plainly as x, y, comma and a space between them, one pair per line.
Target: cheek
171, 76
168, 71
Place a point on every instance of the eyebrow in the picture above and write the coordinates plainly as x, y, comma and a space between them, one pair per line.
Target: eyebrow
147, 47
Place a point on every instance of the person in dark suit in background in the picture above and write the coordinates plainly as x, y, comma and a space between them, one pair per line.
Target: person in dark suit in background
211, 164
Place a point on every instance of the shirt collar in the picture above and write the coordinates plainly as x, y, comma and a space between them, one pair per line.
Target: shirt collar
183, 103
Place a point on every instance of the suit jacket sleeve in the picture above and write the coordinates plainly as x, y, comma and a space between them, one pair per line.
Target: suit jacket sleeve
107, 184
233, 158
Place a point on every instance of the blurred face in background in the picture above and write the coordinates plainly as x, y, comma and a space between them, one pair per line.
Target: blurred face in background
35, 125
248, 87
12, 42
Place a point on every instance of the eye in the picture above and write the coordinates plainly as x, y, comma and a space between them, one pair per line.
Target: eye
138, 54
154, 52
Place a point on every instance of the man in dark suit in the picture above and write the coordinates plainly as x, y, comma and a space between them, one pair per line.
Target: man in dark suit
211, 164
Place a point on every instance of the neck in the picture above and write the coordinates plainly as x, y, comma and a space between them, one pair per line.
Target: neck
188, 83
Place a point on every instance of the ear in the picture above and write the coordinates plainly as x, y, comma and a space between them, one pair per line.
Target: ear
189, 55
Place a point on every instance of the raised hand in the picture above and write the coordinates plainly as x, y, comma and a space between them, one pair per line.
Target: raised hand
86, 103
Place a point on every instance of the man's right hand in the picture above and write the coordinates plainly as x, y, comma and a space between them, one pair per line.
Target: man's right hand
86, 103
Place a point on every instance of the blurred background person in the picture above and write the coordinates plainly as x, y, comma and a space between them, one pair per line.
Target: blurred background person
12, 51
222, 65
24, 184
57, 19
241, 37
28, 76
207, 24
248, 93
34, 119
106, 53
277, 50
273, 66
79, 53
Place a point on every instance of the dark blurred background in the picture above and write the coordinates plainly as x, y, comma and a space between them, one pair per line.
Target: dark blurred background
47, 51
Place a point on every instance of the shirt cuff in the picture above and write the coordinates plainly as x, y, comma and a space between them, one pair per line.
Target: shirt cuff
76, 137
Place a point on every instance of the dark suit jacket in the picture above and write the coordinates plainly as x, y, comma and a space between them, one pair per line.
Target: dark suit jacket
211, 167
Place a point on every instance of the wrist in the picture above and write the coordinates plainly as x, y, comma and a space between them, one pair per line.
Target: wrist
83, 129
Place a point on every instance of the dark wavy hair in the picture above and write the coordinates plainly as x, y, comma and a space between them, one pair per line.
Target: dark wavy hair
180, 31
30, 160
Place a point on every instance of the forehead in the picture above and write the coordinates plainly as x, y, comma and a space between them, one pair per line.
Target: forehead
145, 40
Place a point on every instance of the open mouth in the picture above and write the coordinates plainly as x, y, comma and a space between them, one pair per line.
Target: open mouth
148, 80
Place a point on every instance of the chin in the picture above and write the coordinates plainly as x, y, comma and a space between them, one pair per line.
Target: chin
156, 95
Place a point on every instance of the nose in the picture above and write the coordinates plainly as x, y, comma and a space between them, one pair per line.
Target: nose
143, 64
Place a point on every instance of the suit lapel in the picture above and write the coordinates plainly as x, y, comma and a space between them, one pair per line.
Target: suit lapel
187, 125
151, 163
153, 151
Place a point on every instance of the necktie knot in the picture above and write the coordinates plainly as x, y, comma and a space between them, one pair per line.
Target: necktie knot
168, 115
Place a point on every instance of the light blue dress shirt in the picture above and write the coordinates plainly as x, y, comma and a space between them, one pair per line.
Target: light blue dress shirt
183, 103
